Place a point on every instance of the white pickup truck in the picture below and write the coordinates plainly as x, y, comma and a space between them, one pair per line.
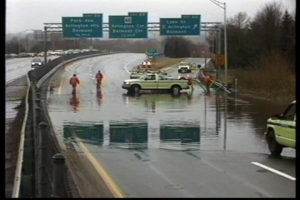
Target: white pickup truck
184, 67
155, 81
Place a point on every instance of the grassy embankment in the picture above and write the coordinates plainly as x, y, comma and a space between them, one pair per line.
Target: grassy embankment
271, 78
162, 62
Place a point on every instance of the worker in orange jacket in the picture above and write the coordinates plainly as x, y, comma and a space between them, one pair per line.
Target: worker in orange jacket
208, 79
74, 81
99, 77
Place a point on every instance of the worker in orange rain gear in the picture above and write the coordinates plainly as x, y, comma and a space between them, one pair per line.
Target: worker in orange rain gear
208, 79
99, 77
74, 81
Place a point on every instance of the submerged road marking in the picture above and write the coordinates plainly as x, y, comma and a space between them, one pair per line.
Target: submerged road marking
274, 171
125, 68
60, 86
113, 187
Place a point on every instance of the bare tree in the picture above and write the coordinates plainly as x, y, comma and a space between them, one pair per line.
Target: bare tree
266, 27
240, 21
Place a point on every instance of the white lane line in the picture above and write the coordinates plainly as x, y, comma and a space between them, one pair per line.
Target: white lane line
274, 171
60, 86
125, 68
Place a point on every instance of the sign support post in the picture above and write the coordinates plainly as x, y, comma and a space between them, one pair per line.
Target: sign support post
45, 45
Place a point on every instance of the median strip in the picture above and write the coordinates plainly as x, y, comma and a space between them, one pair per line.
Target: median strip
274, 171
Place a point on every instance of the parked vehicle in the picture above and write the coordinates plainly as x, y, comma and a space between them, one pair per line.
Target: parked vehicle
59, 52
281, 130
184, 68
139, 72
67, 52
155, 81
76, 51
23, 54
41, 54
11, 55
51, 53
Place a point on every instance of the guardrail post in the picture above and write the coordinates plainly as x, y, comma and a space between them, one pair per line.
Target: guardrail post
37, 114
35, 139
235, 83
37, 94
59, 171
33, 90
42, 157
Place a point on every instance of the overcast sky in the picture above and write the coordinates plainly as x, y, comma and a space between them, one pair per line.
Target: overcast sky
23, 15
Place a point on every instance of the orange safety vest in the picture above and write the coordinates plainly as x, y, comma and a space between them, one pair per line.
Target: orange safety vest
99, 76
208, 80
74, 81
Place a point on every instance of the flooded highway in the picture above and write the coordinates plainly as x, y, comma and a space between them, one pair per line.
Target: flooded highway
160, 139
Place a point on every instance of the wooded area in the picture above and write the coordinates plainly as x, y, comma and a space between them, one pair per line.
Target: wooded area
271, 32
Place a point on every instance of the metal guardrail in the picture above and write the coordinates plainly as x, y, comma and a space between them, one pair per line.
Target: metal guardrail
17, 179
216, 84
41, 169
38, 73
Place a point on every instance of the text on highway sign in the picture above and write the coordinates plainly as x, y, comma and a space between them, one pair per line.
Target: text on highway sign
186, 25
90, 25
132, 26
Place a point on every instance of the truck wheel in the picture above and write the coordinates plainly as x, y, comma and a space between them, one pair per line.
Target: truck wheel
274, 147
135, 89
175, 90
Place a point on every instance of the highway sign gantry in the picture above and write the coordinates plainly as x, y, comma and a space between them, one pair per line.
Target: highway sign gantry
133, 25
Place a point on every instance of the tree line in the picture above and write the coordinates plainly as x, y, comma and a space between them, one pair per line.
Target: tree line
270, 33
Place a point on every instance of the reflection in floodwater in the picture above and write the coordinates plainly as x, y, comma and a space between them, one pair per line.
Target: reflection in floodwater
74, 102
181, 133
99, 96
201, 119
176, 135
133, 134
218, 112
89, 133
153, 101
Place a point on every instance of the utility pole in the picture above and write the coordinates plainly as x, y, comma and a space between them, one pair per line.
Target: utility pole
45, 44
223, 6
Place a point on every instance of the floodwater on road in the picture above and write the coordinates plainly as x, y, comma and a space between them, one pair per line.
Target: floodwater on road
192, 121
159, 145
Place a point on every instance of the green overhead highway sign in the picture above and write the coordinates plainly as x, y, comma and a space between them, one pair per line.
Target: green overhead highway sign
132, 26
186, 25
90, 25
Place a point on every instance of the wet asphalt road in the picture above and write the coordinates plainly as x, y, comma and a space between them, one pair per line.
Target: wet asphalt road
156, 145
17, 67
